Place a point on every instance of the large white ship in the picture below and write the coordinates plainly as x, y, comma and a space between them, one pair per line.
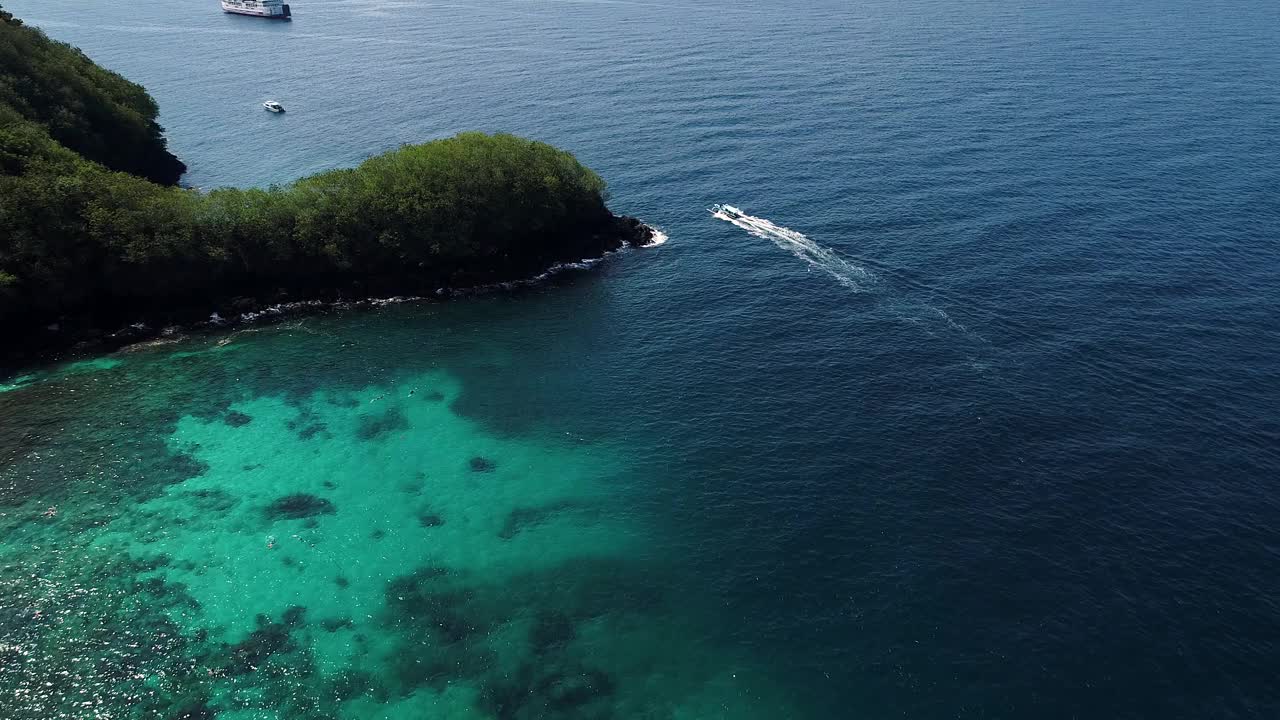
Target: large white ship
258, 8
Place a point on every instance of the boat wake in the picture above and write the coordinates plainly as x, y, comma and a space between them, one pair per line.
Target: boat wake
900, 294
853, 277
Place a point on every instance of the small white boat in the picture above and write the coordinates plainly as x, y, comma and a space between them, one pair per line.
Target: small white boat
273, 106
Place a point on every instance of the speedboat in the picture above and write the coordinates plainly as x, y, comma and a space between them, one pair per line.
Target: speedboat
728, 211
273, 106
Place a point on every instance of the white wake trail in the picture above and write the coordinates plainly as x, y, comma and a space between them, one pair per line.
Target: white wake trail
847, 274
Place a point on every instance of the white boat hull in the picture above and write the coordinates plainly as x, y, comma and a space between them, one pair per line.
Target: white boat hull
274, 9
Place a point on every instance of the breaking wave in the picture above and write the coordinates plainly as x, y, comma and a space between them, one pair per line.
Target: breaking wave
659, 238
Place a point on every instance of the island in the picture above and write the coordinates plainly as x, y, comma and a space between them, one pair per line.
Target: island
96, 233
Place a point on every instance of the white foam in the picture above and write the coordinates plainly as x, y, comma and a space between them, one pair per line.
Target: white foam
852, 276
659, 238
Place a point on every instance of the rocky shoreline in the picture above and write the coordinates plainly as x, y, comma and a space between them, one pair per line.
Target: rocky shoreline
109, 329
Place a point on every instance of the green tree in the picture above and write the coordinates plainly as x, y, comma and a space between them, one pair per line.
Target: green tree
84, 228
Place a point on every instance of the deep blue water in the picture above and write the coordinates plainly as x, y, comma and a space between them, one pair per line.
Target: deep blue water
1021, 463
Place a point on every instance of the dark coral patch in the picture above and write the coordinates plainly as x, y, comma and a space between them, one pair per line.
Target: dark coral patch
197, 711
212, 500
250, 653
521, 518
430, 598
372, 426
311, 431
565, 691
155, 562
237, 419
551, 631
353, 683
182, 465
294, 615
482, 464
537, 691
298, 506
336, 624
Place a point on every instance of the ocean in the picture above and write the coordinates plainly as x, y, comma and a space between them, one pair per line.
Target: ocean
974, 413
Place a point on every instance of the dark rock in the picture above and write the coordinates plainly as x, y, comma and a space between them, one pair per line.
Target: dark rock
237, 419
298, 506
482, 464
633, 232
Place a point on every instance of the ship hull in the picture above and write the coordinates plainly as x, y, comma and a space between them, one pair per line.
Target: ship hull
283, 14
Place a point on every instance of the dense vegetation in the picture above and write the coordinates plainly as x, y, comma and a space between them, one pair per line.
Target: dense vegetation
85, 108
86, 235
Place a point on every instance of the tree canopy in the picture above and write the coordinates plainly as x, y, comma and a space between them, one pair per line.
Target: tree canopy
86, 108
84, 228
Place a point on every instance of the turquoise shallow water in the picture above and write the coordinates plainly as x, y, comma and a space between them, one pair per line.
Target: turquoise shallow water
239, 523
976, 418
